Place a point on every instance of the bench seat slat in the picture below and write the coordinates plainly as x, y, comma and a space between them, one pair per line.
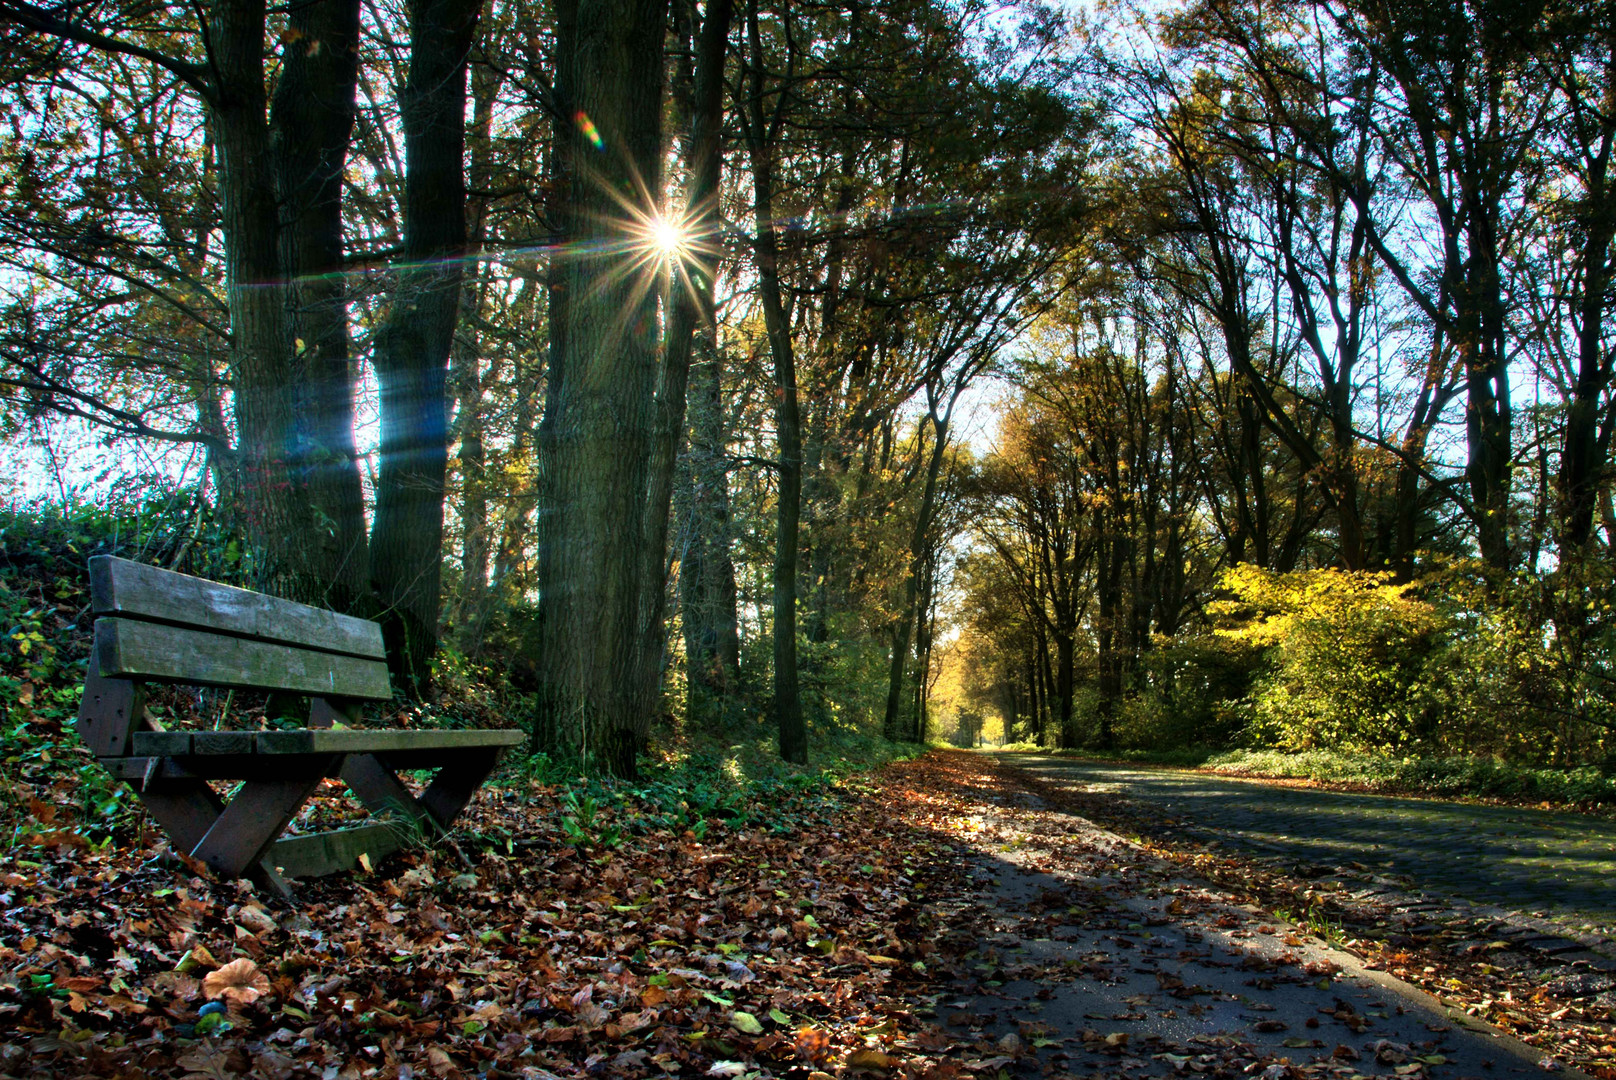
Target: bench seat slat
380, 742
204, 743
121, 587
142, 650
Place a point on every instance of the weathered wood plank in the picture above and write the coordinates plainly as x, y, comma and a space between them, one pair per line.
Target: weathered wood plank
241, 835
332, 852
121, 587
455, 784
141, 650
109, 712
141, 769
364, 741
222, 742
160, 743
378, 788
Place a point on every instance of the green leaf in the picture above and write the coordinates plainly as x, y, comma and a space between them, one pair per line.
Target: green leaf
745, 1022
779, 1017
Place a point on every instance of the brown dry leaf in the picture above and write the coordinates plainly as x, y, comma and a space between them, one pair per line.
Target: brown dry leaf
812, 1044
206, 1063
439, 1061
181, 986
238, 981
255, 920
873, 1060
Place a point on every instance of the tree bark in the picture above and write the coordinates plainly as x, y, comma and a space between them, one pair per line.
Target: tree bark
275, 515
601, 410
707, 576
788, 715
919, 551
471, 606
311, 126
691, 312
413, 343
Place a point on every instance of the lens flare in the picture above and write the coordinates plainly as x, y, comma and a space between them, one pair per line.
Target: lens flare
587, 126
669, 238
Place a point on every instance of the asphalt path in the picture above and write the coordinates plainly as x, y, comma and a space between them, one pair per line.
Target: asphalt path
1520, 859
1105, 962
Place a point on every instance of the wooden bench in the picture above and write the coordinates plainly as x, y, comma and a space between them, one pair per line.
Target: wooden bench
157, 626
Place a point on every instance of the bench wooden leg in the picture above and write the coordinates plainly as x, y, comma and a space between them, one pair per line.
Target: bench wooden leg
380, 789
239, 837
456, 783
185, 809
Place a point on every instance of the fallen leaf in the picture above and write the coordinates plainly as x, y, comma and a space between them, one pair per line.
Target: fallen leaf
239, 981
871, 1060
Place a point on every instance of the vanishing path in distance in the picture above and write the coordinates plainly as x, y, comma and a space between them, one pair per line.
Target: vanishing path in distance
1516, 858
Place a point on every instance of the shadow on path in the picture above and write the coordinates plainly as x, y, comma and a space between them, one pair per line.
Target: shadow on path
1087, 956
1513, 857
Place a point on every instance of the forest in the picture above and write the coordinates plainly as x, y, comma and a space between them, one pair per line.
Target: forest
1216, 374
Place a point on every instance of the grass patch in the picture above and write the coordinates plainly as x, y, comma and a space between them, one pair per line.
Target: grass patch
1586, 788
1473, 777
1190, 757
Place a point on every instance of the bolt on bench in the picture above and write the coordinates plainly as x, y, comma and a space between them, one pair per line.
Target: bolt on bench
157, 626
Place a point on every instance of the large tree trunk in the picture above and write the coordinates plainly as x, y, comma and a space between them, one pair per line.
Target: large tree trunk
413, 343
311, 125
601, 414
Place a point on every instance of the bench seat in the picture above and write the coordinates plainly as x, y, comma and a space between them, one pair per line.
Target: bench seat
200, 743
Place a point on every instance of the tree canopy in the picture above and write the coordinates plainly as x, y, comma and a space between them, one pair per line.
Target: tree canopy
910, 367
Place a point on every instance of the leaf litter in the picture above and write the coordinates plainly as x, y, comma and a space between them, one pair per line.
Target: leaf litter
836, 940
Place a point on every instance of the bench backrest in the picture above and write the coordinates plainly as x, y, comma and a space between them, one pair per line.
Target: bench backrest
161, 626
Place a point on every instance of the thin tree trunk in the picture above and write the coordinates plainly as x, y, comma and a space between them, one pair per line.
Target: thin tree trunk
413, 343
707, 577
788, 715
919, 542
311, 126
467, 374
690, 310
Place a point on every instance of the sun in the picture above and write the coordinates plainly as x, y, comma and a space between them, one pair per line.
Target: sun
669, 239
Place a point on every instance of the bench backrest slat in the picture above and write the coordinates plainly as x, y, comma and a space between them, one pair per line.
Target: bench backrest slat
136, 591
131, 649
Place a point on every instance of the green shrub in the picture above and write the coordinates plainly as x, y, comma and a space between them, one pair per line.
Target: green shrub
1530, 660
1347, 659
1185, 693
